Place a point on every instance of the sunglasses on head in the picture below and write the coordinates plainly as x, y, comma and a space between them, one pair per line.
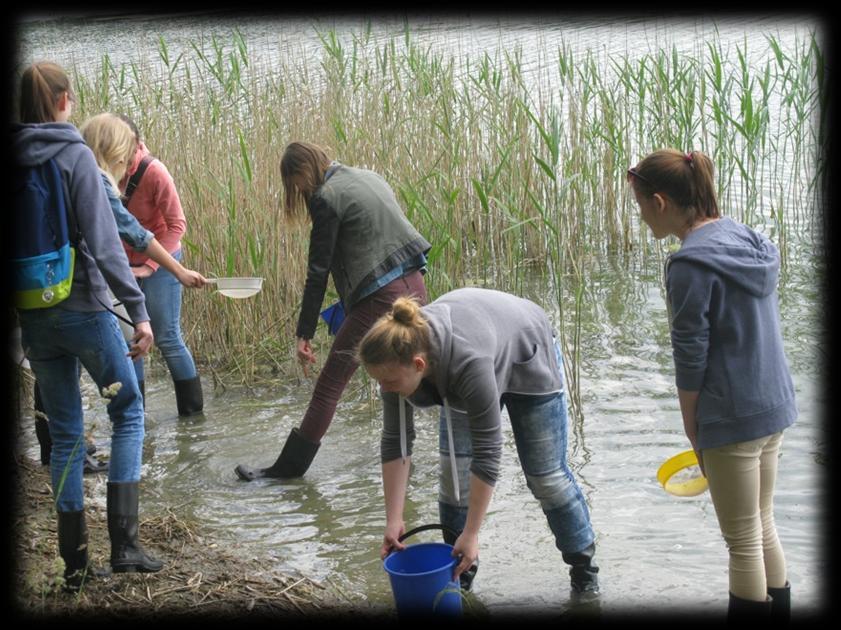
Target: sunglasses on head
632, 172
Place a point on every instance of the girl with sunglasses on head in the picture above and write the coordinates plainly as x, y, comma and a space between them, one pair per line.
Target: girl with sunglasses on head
734, 387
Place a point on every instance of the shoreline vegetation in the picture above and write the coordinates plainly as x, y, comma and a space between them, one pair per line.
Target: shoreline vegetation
514, 183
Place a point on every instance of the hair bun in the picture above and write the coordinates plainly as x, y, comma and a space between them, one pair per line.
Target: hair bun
405, 311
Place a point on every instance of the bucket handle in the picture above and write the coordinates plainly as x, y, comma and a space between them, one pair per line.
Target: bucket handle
423, 528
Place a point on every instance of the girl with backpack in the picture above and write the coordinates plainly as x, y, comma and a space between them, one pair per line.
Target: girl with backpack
79, 329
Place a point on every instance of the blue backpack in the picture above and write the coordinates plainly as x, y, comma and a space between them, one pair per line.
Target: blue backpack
42, 256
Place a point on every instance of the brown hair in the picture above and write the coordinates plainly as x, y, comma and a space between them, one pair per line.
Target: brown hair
308, 163
686, 178
41, 87
131, 125
113, 144
397, 336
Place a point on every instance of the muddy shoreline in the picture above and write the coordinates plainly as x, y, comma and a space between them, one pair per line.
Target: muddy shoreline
201, 577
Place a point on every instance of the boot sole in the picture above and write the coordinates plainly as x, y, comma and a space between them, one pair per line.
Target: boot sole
133, 568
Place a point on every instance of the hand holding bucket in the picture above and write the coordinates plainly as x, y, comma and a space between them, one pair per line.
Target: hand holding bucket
421, 578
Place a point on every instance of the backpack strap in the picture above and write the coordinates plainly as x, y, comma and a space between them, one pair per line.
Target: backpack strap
134, 180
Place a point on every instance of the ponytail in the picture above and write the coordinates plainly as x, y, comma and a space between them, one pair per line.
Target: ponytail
397, 336
41, 87
705, 201
686, 178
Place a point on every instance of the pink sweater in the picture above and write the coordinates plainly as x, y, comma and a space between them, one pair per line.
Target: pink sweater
156, 205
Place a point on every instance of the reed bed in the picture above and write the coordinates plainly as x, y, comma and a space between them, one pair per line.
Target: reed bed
511, 177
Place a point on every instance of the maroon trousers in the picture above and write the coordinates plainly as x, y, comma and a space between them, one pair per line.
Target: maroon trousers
341, 362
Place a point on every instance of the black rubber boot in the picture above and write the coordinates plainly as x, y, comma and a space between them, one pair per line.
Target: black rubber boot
781, 603
73, 548
188, 396
583, 573
740, 609
42, 432
294, 460
127, 556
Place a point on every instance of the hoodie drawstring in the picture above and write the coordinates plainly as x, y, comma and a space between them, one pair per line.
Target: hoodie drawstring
450, 442
403, 428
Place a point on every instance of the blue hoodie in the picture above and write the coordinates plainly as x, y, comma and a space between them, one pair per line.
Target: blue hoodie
726, 338
108, 267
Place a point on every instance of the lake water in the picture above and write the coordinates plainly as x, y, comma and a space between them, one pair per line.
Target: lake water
656, 552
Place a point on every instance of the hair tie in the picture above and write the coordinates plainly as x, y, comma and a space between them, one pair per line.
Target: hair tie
688, 157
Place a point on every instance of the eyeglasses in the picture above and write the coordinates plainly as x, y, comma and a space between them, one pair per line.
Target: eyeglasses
632, 172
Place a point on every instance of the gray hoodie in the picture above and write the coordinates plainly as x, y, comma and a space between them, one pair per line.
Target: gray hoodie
726, 336
483, 344
35, 144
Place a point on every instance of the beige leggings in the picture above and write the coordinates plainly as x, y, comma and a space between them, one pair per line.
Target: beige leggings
741, 479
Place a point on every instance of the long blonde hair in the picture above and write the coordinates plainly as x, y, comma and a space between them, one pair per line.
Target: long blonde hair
113, 144
397, 336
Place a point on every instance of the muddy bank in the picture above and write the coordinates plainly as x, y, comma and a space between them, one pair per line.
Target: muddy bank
201, 577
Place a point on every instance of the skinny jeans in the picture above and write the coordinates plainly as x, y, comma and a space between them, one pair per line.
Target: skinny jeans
741, 479
341, 362
55, 341
540, 425
163, 303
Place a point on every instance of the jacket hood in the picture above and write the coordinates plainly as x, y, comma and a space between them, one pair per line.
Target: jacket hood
735, 252
35, 144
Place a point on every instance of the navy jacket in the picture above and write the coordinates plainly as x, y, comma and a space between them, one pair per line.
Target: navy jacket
725, 329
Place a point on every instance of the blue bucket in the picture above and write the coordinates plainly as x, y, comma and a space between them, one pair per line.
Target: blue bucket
334, 316
421, 580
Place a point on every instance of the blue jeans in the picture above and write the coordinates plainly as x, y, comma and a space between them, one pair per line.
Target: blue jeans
163, 303
55, 340
540, 433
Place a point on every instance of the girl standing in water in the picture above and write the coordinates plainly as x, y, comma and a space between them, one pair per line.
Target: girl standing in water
735, 390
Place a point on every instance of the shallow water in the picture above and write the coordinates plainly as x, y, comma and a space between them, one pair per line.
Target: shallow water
656, 552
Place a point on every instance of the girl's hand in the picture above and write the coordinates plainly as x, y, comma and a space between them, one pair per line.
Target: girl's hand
142, 340
305, 355
393, 531
467, 547
191, 279
143, 271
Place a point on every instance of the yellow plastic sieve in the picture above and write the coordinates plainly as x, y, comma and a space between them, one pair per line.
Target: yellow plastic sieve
677, 478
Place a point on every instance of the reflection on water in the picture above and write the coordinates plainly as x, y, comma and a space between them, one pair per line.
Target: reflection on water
656, 551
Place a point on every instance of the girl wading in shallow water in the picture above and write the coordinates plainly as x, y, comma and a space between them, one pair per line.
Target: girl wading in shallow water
734, 386
472, 351
362, 239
